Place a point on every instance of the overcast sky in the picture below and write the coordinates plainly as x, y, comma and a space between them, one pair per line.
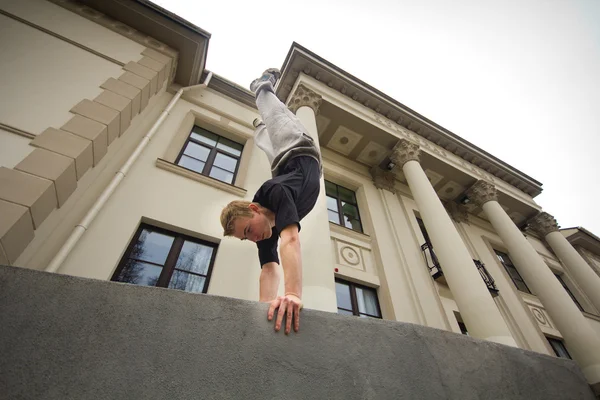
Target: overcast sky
518, 78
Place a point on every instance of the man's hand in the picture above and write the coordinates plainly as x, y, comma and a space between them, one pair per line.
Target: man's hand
289, 304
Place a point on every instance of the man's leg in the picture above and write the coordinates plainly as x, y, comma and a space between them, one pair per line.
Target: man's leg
275, 115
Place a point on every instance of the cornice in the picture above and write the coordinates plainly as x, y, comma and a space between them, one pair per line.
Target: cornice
301, 60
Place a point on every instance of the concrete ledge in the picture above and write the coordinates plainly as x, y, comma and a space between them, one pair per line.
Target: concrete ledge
66, 337
132, 93
139, 83
16, 229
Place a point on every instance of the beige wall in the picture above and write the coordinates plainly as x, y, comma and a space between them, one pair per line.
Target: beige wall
13, 148
71, 26
38, 70
178, 203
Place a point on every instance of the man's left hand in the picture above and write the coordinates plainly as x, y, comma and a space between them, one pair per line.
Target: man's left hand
289, 304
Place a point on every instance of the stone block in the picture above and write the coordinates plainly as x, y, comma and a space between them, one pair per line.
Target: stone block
160, 57
16, 229
144, 72
69, 145
119, 103
91, 130
55, 167
102, 114
140, 83
125, 90
155, 66
30, 191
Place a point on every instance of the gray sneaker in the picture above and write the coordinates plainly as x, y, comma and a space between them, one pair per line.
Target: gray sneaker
257, 122
270, 74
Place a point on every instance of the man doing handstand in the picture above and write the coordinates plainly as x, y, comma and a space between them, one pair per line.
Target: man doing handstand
280, 203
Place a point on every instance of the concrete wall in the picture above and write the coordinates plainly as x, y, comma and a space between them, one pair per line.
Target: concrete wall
104, 340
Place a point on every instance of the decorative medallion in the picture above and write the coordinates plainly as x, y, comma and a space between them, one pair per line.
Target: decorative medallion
350, 255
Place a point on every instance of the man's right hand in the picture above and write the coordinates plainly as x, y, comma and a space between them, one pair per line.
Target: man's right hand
289, 304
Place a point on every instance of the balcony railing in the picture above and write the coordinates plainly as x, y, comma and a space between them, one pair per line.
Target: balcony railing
436, 269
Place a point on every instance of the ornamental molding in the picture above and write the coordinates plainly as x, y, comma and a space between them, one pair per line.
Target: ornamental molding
481, 192
405, 151
396, 116
305, 97
458, 212
384, 179
543, 224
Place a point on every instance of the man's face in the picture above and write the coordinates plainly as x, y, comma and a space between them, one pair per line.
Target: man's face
255, 228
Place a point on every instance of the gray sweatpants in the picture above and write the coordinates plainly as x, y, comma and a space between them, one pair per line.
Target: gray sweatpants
282, 130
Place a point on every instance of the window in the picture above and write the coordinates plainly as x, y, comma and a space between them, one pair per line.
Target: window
461, 324
569, 292
423, 230
342, 207
559, 347
353, 299
512, 272
157, 257
211, 155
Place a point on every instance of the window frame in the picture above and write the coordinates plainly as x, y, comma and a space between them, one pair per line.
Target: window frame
212, 155
569, 292
339, 205
512, 266
171, 261
353, 300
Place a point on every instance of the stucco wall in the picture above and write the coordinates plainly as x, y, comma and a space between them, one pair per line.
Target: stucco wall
39, 71
105, 340
13, 148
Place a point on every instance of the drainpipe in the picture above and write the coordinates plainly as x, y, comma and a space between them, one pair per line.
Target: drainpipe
85, 223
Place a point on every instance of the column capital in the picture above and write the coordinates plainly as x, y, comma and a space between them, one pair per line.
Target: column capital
383, 179
304, 96
481, 192
405, 151
543, 223
457, 212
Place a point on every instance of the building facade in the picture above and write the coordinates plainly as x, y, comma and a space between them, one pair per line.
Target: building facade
118, 151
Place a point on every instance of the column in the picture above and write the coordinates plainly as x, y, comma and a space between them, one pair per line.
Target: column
474, 301
584, 275
582, 342
318, 281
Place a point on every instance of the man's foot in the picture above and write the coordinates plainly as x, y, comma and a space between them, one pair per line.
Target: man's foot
257, 122
270, 74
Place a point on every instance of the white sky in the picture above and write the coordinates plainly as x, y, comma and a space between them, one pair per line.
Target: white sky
518, 78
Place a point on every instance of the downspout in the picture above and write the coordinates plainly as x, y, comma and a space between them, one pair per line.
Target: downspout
87, 220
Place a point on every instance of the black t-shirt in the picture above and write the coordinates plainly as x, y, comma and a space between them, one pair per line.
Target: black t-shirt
290, 196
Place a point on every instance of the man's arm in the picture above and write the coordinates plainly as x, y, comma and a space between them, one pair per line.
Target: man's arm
269, 281
291, 259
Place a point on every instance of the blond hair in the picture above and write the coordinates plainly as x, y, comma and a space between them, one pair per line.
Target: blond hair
232, 211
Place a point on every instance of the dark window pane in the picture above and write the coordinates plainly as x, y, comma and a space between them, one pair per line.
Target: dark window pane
330, 189
194, 257
559, 348
229, 146
350, 210
367, 301
346, 195
344, 312
139, 273
521, 286
333, 217
353, 224
332, 204
342, 292
191, 163
195, 150
204, 136
221, 174
225, 162
564, 285
188, 282
152, 246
